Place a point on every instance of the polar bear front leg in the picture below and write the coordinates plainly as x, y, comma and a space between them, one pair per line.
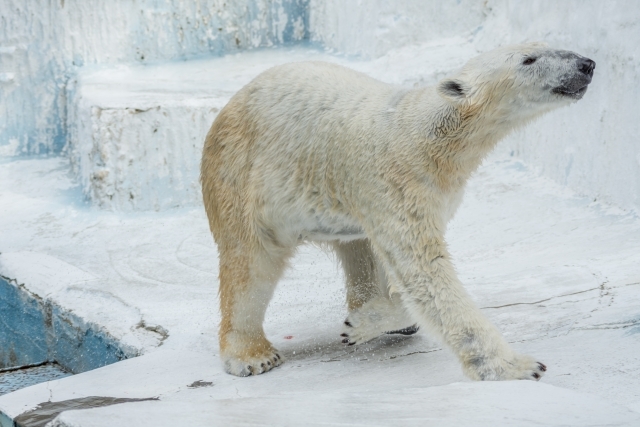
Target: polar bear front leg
413, 249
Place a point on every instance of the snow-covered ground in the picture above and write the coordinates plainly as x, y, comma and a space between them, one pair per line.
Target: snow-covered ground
558, 270
559, 275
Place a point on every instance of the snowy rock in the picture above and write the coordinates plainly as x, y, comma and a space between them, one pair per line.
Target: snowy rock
34, 289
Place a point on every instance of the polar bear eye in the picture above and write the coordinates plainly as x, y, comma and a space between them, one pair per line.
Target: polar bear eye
530, 60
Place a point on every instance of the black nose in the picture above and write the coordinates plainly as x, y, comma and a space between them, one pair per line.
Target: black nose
586, 66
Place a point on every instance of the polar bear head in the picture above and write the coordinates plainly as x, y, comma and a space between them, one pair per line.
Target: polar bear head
520, 82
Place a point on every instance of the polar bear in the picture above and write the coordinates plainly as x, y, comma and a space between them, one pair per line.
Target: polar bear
315, 152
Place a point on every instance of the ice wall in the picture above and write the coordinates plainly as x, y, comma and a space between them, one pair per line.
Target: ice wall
43, 43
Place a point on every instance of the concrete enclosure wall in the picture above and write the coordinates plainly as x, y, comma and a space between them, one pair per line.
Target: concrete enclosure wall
43, 43
371, 28
34, 330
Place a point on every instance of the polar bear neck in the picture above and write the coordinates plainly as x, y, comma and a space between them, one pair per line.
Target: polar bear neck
455, 137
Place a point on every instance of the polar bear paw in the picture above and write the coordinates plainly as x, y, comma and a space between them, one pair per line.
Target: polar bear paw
513, 367
377, 317
254, 365
357, 332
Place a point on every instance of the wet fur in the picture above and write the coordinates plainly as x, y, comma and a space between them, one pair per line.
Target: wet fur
315, 152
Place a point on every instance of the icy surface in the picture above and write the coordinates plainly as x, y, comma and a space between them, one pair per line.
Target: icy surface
558, 274
453, 405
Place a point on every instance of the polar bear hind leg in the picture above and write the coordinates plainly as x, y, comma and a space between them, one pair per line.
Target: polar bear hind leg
360, 270
248, 277
372, 312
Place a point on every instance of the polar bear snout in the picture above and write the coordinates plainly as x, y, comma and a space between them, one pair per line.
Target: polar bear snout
575, 84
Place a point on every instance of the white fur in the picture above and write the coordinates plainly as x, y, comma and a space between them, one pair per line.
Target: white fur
334, 155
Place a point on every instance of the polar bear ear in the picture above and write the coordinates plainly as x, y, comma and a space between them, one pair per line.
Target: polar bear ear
452, 89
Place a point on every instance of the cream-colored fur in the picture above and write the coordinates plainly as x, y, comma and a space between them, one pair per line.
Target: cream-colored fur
317, 152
